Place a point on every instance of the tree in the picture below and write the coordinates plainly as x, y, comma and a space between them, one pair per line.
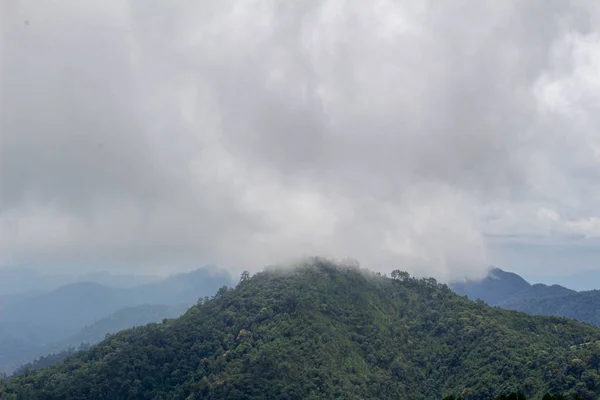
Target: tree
245, 276
400, 275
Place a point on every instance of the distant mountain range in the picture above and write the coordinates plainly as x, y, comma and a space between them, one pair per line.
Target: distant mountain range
510, 291
23, 280
122, 319
33, 324
78, 304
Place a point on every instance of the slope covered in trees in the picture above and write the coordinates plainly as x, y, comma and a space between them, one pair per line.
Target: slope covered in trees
321, 331
582, 306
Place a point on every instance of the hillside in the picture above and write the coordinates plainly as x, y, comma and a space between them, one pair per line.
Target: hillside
582, 306
508, 290
327, 332
69, 306
122, 319
51, 321
20, 342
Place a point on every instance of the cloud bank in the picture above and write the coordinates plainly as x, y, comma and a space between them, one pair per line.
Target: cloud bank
158, 134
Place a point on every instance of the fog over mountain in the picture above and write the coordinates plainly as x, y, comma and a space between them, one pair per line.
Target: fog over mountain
436, 137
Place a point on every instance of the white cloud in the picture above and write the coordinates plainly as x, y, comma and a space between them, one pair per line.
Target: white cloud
588, 227
242, 133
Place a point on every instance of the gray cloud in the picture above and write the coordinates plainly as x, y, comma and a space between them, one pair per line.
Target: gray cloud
412, 135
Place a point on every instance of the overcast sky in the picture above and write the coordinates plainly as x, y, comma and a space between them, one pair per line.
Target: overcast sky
436, 137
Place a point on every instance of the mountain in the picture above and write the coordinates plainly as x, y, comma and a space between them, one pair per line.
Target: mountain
120, 320
79, 304
70, 307
323, 331
496, 287
122, 281
63, 312
510, 291
183, 288
23, 280
123, 319
21, 342
582, 306
9, 300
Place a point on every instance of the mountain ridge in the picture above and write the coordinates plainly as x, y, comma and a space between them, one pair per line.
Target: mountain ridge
324, 331
14, 280
510, 291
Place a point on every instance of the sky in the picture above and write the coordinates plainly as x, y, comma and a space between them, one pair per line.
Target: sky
435, 137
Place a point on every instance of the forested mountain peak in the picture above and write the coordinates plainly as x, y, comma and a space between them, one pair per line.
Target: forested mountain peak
325, 331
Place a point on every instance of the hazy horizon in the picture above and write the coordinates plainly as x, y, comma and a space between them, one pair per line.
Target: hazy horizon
580, 281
